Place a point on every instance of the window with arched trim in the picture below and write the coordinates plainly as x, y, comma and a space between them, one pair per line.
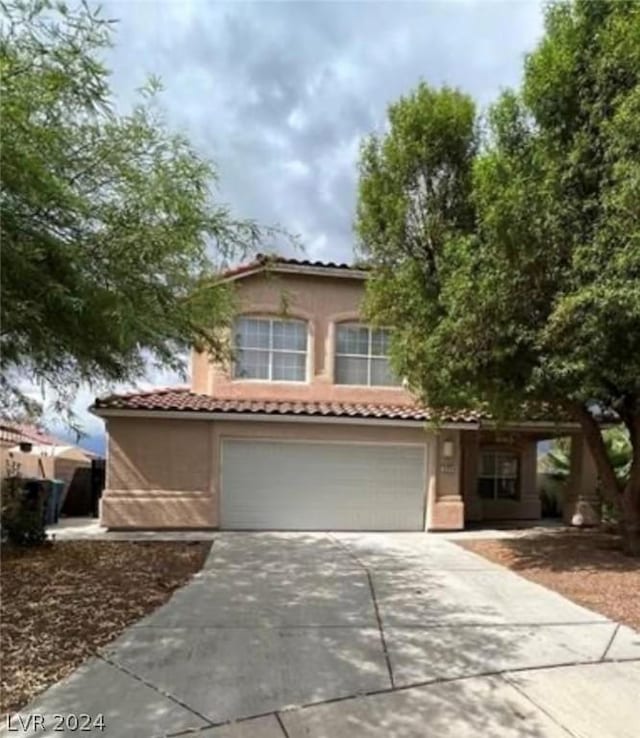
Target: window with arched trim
272, 349
362, 356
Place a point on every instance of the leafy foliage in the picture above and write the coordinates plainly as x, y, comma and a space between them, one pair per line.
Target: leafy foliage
110, 231
618, 449
415, 215
508, 262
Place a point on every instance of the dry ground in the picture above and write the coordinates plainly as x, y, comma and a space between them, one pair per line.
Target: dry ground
585, 566
63, 601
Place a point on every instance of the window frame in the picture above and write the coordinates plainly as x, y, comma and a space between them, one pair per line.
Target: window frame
271, 351
496, 452
369, 356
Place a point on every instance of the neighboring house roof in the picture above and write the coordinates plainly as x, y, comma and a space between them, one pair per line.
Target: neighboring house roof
274, 263
181, 399
13, 434
24, 432
59, 452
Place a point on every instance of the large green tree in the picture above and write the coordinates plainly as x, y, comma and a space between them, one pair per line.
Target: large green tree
507, 255
110, 231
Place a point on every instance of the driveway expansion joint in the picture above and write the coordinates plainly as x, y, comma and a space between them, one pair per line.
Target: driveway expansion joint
450, 680
430, 625
285, 732
227, 723
611, 640
537, 705
503, 674
155, 688
376, 609
385, 650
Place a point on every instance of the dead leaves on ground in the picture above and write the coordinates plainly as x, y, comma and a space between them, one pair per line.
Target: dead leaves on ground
62, 602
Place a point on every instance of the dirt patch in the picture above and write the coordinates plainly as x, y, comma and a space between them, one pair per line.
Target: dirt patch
585, 566
63, 601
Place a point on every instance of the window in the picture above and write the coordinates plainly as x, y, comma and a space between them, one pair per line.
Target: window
362, 356
270, 349
498, 475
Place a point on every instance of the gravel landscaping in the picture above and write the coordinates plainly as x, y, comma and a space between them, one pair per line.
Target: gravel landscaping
586, 566
63, 601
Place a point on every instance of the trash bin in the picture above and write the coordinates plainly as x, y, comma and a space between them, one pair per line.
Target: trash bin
36, 496
49, 508
57, 488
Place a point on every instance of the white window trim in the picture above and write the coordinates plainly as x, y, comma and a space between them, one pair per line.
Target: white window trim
495, 478
271, 351
369, 356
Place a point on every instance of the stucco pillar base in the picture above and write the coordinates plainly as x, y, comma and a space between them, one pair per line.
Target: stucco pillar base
447, 514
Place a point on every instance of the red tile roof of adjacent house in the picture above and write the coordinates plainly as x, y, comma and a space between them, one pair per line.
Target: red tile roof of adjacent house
181, 399
274, 261
20, 432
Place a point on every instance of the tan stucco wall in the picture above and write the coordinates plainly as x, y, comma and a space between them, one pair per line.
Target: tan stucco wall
165, 473
29, 464
158, 474
65, 469
200, 367
323, 302
446, 505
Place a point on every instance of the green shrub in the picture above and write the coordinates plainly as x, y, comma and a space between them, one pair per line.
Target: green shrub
22, 517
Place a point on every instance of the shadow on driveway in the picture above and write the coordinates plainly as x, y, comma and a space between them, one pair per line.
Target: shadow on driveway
343, 634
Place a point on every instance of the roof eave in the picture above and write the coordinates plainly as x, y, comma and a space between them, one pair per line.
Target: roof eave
313, 271
274, 417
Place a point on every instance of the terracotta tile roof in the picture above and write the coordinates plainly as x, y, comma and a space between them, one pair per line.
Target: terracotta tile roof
181, 399
19, 432
263, 260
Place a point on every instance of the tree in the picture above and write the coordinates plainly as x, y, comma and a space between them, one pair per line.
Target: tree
110, 231
533, 295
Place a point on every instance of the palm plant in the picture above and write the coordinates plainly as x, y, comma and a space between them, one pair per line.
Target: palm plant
618, 448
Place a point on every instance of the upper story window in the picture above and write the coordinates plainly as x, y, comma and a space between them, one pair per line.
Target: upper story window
271, 349
498, 475
362, 356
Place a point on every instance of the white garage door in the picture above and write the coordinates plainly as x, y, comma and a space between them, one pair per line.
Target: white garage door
322, 486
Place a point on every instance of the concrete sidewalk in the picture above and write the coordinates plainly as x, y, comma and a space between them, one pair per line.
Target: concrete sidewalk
88, 528
329, 635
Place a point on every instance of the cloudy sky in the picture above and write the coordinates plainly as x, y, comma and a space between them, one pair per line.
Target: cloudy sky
279, 94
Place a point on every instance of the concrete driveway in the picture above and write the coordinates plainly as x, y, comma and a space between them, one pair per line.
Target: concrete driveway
329, 635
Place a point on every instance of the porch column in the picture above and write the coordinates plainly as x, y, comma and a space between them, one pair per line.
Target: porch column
582, 503
446, 506
470, 454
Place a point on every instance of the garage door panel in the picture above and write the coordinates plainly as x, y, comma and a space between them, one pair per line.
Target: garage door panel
320, 486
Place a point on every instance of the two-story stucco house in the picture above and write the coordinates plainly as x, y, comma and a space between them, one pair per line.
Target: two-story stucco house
309, 429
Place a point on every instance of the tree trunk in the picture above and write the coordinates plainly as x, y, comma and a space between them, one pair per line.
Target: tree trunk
631, 515
626, 500
593, 436
631, 494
